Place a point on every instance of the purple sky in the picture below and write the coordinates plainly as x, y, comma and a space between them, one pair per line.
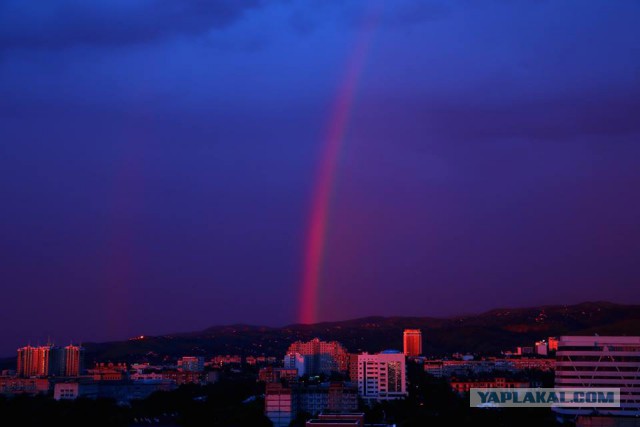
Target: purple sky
157, 160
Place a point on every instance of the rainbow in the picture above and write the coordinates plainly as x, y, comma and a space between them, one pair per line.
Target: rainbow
320, 203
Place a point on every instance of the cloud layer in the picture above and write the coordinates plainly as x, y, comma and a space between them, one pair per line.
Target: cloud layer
64, 23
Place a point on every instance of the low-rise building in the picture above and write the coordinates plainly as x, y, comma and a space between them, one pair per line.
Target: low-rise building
184, 377
355, 419
226, 360
462, 386
191, 364
540, 364
283, 402
121, 391
109, 372
13, 385
272, 374
462, 368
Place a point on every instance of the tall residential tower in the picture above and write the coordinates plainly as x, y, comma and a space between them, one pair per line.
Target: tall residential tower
412, 342
50, 361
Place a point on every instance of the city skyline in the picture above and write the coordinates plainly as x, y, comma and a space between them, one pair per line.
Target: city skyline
170, 168
345, 391
610, 311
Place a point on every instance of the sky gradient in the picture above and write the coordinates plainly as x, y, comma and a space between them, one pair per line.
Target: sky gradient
161, 163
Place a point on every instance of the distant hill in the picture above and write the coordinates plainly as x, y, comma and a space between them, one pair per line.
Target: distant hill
490, 332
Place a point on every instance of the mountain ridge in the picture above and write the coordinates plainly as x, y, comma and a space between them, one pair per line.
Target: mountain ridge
489, 333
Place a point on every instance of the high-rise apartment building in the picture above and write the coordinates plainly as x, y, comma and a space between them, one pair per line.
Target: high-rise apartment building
321, 357
600, 361
73, 360
382, 376
412, 339
40, 361
32, 362
50, 361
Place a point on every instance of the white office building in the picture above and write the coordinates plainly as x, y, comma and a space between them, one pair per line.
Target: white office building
382, 376
595, 361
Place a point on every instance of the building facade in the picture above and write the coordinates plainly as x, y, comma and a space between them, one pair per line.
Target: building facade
278, 404
600, 361
284, 402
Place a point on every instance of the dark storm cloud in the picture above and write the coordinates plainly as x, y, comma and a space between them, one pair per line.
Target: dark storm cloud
308, 15
64, 23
